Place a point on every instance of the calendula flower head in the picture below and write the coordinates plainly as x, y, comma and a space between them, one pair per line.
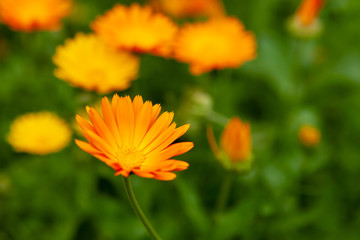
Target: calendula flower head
216, 44
305, 22
28, 16
309, 135
235, 145
136, 28
131, 137
39, 133
87, 62
190, 8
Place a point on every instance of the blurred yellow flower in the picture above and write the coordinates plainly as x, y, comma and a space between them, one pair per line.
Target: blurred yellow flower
87, 62
309, 135
132, 138
137, 29
39, 133
215, 44
190, 8
235, 143
28, 16
308, 11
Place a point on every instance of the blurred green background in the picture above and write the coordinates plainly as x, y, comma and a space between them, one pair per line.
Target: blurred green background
292, 192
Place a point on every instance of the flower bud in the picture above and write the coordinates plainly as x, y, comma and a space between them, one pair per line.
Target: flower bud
309, 135
235, 153
305, 23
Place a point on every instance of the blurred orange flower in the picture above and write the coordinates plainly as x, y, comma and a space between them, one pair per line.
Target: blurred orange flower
137, 29
308, 11
215, 44
28, 16
235, 143
132, 138
87, 62
39, 133
190, 8
309, 135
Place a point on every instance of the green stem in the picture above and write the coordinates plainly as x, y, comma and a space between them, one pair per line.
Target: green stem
137, 209
224, 193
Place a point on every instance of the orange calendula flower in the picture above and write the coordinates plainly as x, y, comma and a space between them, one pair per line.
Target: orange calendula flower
309, 135
190, 8
28, 16
235, 143
131, 137
215, 44
87, 62
308, 11
136, 28
39, 133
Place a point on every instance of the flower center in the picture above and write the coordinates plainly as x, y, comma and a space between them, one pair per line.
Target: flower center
130, 158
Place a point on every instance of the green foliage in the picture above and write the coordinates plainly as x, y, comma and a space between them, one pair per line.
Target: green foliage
292, 193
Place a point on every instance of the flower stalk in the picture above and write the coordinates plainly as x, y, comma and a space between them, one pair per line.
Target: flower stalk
138, 211
224, 194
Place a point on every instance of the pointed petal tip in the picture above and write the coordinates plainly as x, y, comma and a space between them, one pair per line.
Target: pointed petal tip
115, 96
105, 98
77, 117
139, 97
180, 165
185, 127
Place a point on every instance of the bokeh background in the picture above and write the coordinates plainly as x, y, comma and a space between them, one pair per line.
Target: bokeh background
293, 192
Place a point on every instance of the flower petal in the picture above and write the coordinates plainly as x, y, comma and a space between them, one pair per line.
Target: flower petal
142, 123
109, 119
168, 140
144, 174
165, 176
102, 128
157, 128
